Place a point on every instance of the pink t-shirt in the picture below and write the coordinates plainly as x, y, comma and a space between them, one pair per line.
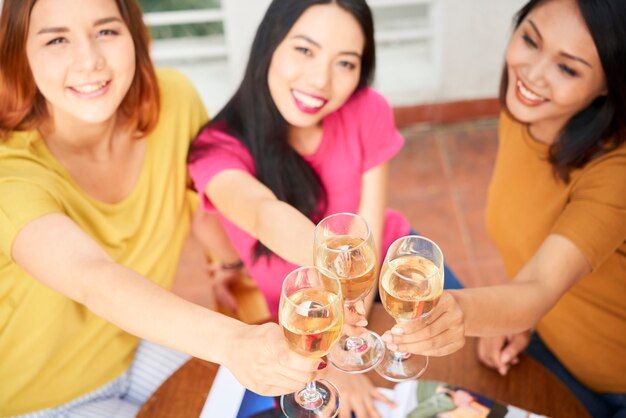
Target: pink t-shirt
357, 137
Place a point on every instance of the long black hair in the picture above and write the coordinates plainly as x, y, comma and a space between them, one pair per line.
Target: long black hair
252, 117
600, 127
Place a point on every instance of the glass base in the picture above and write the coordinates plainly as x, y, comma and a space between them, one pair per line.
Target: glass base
399, 367
357, 354
324, 403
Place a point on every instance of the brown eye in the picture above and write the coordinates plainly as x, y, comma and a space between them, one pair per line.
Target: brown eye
529, 41
347, 64
56, 41
107, 32
303, 50
568, 70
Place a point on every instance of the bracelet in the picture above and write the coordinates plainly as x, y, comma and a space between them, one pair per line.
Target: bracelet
235, 265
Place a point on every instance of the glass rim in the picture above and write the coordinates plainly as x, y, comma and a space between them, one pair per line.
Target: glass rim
354, 215
440, 266
319, 270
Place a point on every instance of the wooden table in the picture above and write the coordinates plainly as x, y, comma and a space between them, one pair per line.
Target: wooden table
528, 385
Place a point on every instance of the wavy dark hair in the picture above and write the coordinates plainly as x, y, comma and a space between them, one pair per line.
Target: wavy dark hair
601, 127
252, 117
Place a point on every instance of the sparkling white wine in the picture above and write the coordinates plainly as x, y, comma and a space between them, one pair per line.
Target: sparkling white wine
355, 266
410, 287
312, 320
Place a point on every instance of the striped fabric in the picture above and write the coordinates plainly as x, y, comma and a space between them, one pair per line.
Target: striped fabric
124, 396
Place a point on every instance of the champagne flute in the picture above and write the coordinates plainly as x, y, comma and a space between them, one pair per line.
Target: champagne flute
311, 314
343, 245
411, 283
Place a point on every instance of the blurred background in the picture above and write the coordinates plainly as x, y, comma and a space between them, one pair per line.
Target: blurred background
439, 64
429, 50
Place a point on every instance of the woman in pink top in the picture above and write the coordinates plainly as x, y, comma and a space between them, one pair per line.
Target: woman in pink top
303, 137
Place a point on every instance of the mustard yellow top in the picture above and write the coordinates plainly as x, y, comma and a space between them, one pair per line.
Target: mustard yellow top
586, 330
53, 349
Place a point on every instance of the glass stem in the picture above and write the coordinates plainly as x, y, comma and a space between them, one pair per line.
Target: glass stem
399, 355
310, 387
310, 396
354, 343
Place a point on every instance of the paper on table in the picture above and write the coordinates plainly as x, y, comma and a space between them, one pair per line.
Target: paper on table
403, 395
427, 398
229, 399
225, 396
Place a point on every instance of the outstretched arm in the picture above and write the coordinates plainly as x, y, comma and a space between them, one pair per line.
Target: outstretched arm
78, 268
518, 305
509, 308
254, 208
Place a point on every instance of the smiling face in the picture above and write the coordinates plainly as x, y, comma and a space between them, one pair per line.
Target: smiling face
554, 70
316, 68
82, 58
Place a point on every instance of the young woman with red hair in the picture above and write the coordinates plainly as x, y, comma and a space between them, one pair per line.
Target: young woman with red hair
94, 211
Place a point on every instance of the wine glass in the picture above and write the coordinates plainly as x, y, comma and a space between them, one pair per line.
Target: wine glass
343, 245
311, 314
411, 283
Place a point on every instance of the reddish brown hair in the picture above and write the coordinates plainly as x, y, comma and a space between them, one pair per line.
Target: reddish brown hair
22, 107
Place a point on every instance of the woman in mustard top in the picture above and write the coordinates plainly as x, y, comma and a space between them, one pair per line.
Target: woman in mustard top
94, 211
556, 208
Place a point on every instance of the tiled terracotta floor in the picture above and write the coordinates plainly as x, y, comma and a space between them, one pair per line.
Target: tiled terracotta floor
439, 181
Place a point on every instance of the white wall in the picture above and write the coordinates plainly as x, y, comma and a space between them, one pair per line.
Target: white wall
242, 19
474, 37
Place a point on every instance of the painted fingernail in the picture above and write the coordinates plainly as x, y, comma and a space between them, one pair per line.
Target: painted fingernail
397, 331
322, 365
362, 323
360, 308
386, 338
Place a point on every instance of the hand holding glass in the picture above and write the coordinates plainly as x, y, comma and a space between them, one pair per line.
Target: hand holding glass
343, 245
411, 283
311, 314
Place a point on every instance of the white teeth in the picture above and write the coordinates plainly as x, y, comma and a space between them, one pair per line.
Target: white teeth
90, 88
529, 94
307, 100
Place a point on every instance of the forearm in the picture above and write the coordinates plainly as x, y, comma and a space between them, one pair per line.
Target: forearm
286, 231
140, 307
256, 210
518, 305
498, 310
